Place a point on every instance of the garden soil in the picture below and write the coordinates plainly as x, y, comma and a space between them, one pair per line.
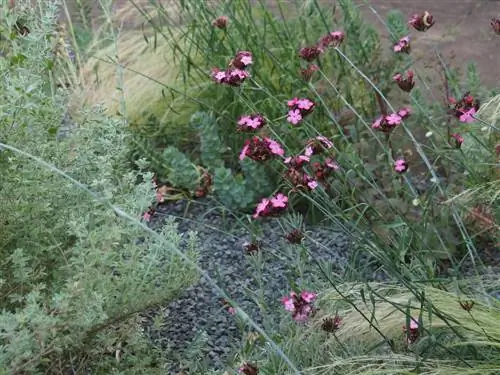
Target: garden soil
462, 32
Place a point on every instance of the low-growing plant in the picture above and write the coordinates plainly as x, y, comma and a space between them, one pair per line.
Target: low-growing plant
74, 276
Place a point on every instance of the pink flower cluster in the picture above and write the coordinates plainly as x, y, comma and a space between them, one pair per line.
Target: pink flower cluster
413, 332
308, 72
405, 82
465, 108
422, 22
298, 109
299, 305
387, 123
261, 149
299, 179
332, 39
400, 166
248, 369
323, 170
457, 140
271, 206
309, 53
242, 60
402, 45
251, 122
296, 174
235, 74
221, 22
318, 145
230, 308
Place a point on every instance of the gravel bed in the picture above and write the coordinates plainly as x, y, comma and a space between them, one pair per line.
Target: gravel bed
200, 312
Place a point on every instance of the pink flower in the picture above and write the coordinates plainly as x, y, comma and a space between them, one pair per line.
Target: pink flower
331, 164
262, 207
275, 147
308, 151
244, 150
231, 76
308, 296
309, 53
458, 140
377, 124
413, 324
405, 83
279, 201
298, 109
297, 161
332, 39
413, 331
294, 117
218, 75
404, 113
271, 207
312, 184
308, 72
465, 108
251, 122
261, 149
468, 116
393, 119
421, 22
159, 197
389, 122
247, 60
400, 166
300, 306
230, 309
248, 369
303, 314
304, 104
242, 60
402, 45
288, 302
292, 102
303, 158
146, 216
221, 22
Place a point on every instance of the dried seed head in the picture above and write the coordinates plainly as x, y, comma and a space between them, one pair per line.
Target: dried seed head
331, 324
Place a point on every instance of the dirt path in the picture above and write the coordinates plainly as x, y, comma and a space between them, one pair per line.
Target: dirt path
462, 29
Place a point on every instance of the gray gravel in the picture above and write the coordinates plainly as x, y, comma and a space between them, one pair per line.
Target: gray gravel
199, 313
